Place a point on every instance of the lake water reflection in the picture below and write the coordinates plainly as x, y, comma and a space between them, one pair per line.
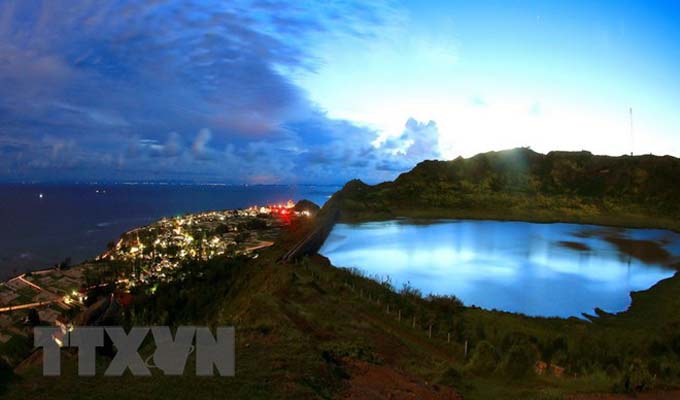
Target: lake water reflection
536, 269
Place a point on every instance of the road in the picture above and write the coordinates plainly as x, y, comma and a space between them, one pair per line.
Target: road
21, 278
261, 245
27, 305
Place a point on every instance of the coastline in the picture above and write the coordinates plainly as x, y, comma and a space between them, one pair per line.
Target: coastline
340, 289
77, 221
611, 221
311, 243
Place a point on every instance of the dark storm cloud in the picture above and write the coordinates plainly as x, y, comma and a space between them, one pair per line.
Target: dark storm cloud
173, 89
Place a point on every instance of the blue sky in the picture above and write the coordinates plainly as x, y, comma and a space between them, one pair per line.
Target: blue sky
310, 92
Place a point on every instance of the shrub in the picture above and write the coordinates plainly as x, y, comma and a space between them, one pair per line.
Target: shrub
517, 338
351, 349
484, 359
547, 394
452, 377
519, 361
635, 379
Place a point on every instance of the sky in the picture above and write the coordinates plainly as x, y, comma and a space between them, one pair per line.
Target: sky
279, 92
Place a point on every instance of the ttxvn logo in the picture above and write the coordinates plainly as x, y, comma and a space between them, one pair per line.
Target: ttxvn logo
170, 355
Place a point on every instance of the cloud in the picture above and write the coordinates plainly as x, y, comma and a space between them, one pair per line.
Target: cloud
418, 141
199, 146
121, 89
172, 147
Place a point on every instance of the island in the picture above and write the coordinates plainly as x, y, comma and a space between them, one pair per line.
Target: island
308, 329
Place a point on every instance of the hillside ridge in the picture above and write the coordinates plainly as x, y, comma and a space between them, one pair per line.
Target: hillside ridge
521, 184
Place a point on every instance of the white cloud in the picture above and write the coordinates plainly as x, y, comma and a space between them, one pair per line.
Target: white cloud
199, 147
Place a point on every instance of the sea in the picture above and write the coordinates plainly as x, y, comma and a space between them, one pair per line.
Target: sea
42, 225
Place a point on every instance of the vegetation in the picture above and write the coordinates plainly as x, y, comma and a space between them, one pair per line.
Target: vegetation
190, 296
640, 191
301, 328
306, 329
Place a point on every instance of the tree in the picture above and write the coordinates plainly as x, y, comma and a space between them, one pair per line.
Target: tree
241, 237
65, 264
33, 318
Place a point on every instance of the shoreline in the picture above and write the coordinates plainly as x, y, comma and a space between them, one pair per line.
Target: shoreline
225, 217
402, 216
95, 258
425, 216
433, 214
40, 243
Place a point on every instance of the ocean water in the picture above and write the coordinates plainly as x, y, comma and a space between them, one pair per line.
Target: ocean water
41, 225
511, 266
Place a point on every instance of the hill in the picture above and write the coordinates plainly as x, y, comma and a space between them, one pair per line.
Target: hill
639, 191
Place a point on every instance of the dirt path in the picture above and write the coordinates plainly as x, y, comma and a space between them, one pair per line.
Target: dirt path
404, 332
369, 381
675, 395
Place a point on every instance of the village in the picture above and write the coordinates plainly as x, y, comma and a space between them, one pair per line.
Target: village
146, 254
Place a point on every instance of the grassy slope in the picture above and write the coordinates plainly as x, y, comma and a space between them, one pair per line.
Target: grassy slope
286, 317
